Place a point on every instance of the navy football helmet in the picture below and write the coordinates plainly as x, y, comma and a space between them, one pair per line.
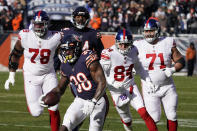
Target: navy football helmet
70, 48
82, 22
40, 23
152, 24
124, 37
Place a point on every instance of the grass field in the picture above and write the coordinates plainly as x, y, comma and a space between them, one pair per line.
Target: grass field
14, 115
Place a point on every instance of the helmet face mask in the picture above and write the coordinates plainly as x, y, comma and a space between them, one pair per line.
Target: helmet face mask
80, 17
70, 49
40, 23
151, 30
124, 41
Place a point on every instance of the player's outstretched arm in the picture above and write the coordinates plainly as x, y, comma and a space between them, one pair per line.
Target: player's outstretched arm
14, 58
53, 97
62, 84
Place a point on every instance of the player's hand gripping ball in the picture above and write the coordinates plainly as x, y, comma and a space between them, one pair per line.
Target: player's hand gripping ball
50, 99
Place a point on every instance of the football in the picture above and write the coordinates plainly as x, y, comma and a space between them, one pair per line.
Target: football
51, 99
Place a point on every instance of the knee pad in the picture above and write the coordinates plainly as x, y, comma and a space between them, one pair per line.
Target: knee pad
171, 116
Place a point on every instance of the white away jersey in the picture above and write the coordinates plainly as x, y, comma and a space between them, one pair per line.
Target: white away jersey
39, 53
119, 66
156, 57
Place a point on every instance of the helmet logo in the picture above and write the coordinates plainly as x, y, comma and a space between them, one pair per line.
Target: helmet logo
38, 18
81, 13
124, 38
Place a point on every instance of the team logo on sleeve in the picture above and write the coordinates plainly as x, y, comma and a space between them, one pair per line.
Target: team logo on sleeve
91, 58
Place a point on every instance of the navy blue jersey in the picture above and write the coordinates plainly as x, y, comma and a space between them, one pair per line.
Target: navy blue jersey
91, 39
80, 76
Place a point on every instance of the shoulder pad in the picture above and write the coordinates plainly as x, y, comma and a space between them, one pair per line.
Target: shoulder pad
105, 54
92, 56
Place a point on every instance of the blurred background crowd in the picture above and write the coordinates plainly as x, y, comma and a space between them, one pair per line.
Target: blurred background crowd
175, 16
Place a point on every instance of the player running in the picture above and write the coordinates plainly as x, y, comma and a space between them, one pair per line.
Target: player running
156, 55
83, 70
118, 62
38, 46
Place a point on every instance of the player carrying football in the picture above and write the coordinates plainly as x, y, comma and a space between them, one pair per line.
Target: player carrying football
83, 70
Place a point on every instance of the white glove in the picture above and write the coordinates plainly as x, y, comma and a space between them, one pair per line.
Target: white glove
169, 71
11, 79
118, 84
41, 102
123, 84
89, 106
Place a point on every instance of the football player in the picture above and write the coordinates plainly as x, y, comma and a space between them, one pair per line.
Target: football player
156, 55
83, 70
91, 39
118, 62
38, 46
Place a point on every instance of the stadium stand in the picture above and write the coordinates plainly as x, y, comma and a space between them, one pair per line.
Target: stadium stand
178, 18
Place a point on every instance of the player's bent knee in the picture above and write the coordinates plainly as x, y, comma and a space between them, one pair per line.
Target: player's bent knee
64, 128
68, 124
172, 116
36, 113
95, 128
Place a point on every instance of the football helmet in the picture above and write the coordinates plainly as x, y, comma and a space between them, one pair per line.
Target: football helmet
70, 48
124, 38
83, 21
152, 24
40, 23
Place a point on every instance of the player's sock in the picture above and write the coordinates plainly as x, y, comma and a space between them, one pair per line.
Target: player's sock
54, 120
147, 118
127, 125
172, 125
